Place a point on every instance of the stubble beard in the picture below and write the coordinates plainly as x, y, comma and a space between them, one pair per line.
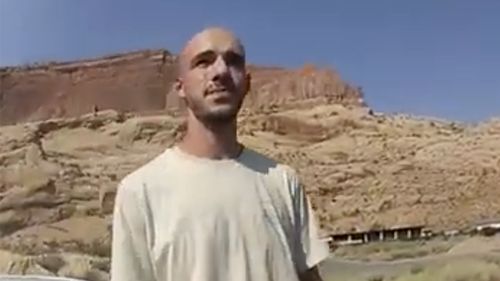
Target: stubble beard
213, 118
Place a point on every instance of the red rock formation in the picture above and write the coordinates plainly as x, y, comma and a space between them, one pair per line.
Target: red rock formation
142, 82
285, 87
127, 82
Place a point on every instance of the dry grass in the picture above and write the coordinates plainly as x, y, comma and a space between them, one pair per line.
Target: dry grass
470, 269
389, 251
466, 270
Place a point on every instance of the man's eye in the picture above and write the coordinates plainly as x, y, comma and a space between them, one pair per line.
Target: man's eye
203, 62
234, 59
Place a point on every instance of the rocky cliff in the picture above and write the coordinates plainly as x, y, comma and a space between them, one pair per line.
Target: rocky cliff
142, 82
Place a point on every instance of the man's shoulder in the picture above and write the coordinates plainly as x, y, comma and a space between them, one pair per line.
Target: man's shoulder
146, 172
267, 164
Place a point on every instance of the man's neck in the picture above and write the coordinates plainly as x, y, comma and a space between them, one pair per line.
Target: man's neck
215, 141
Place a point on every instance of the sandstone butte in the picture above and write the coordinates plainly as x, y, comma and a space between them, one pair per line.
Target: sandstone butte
60, 163
141, 82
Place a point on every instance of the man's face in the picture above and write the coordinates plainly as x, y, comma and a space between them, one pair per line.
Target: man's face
213, 80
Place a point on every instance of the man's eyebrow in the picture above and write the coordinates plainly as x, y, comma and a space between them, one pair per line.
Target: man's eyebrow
234, 54
201, 55
209, 53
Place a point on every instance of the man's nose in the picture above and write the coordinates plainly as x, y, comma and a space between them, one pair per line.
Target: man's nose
220, 68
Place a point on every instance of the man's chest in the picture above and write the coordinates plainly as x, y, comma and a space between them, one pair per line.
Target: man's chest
221, 225
219, 199
223, 208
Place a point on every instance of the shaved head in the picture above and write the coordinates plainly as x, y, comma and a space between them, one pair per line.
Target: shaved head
207, 39
212, 75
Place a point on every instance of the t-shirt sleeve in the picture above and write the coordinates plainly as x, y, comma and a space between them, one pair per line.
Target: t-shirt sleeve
310, 249
130, 257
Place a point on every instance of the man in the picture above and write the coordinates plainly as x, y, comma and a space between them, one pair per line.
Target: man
210, 209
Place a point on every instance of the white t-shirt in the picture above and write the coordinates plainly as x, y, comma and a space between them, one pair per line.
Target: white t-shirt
184, 218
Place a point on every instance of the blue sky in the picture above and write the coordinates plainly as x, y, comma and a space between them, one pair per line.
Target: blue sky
427, 57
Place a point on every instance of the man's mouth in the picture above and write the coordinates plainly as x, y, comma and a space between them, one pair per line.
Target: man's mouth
217, 90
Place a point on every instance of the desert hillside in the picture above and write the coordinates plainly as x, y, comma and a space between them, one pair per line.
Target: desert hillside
59, 172
361, 170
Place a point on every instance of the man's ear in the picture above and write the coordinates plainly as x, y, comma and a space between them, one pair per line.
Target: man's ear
179, 88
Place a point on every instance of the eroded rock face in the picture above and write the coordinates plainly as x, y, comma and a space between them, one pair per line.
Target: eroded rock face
134, 81
361, 169
142, 82
80, 267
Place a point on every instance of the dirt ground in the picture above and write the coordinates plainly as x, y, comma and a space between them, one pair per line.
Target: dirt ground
470, 259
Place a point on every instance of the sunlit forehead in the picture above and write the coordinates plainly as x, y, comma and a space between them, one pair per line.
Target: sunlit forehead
218, 49
213, 41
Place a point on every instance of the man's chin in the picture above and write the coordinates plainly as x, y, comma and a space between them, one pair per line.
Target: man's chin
225, 115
